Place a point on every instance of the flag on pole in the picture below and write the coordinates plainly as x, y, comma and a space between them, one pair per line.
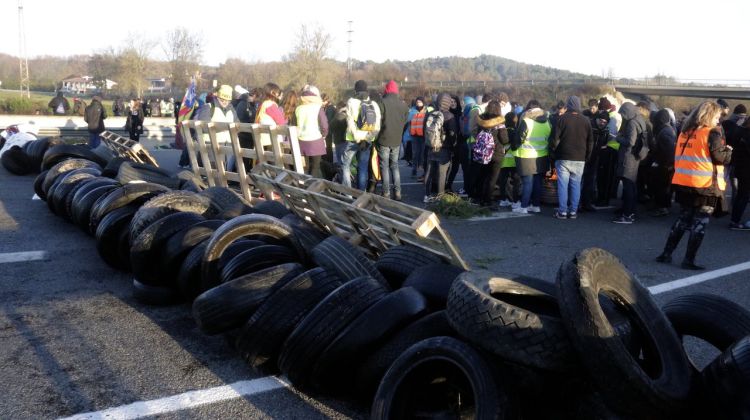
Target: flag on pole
188, 102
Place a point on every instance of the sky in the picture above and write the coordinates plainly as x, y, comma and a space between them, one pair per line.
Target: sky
642, 39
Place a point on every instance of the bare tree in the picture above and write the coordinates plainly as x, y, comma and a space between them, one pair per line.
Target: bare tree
309, 54
103, 65
133, 61
184, 51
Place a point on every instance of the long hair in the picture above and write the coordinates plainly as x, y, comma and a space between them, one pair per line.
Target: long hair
272, 91
289, 103
703, 115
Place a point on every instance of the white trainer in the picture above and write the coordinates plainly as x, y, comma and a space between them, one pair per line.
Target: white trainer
534, 209
521, 210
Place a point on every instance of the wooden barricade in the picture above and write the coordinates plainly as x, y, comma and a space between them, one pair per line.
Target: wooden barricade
213, 147
127, 148
370, 221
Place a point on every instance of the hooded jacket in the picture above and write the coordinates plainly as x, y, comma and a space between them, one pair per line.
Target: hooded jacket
664, 140
495, 124
573, 138
629, 157
394, 119
450, 128
536, 114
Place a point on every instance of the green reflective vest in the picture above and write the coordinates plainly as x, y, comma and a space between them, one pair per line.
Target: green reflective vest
536, 142
509, 160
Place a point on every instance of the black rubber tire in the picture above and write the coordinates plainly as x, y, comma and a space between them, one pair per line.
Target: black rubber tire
224, 200
308, 234
127, 194
180, 244
250, 224
625, 385
66, 183
82, 207
166, 204
256, 259
38, 148
271, 208
374, 367
15, 161
108, 236
344, 259
398, 262
155, 295
189, 276
63, 167
78, 202
417, 376
131, 171
231, 304
510, 319
334, 371
434, 282
113, 166
726, 383
146, 248
61, 152
38, 181
712, 318
260, 340
104, 152
236, 248
324, 322
71, 195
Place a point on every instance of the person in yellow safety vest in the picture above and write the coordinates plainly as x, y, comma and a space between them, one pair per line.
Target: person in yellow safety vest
532, 155
219, 109
509, 180
312, 126
359, 136
700, 155
605, 177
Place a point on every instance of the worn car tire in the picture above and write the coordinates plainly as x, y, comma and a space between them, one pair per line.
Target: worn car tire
166, 204
82, 207
65, 166
56, 154
131, 171
271, 208
38, 185
66, 183
726, 383
123, 196
231, 304
626, 385
344, 259
434, 282
181, 243
15, 161
155, 295
108, 237
189, 276
398, 262
257, 258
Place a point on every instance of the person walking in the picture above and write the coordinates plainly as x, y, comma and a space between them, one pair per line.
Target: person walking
362, 128
59, 104
531, 148
700, 155
312, 125
94, 115
395, 115
572, 145
134, 120
633, 148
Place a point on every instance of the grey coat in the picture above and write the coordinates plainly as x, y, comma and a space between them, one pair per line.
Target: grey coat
633, 125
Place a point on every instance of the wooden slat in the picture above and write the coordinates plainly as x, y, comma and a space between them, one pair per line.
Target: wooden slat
127, 148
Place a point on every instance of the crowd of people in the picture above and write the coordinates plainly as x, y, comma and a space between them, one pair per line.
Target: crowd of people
505, 150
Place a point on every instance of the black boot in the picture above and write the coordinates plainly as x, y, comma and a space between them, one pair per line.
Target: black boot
694, 242
674, 238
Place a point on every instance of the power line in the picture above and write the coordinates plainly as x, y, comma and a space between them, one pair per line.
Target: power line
349, 53
23, 61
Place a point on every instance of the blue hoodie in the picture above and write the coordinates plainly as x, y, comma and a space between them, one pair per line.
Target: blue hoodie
469, 103
407, 137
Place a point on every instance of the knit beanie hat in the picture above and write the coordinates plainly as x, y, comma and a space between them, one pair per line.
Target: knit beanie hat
391, 87
360, 86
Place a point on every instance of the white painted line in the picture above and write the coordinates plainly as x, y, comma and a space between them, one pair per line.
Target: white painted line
11, 257
699, 278
36, 197
498, 216
190, 399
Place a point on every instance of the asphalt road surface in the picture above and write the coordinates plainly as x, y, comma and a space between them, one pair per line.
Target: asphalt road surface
74, 341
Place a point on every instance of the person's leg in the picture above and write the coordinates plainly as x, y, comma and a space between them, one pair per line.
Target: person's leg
494, 174
505, 192
408, 156
93, 140
442, 176
417, 150
628, 197
588, 183
363, 166
563, 178
605, 181
526, 190
395, 173
349, 150
678, 229
697, 232
314, 165
576, 170
536, 191
429, 177
385, 155
739, 200
455, 163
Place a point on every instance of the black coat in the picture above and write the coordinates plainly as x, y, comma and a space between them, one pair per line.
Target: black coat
94, 116
573, 138
633, 128
394, 117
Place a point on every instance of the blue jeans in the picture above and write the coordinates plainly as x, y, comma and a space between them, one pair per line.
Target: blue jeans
94, 140
363, 162
569, 174
418, 154
531, 190
389, 165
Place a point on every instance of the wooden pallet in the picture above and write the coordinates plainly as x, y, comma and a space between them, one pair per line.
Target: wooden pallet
370, 221
209, 158
127, 148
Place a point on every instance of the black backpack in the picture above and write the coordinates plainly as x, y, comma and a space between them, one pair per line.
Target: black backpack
367, 118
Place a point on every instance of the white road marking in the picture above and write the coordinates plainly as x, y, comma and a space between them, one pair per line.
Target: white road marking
11, 257
498, 216
36, 197
190, 399
698, 278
